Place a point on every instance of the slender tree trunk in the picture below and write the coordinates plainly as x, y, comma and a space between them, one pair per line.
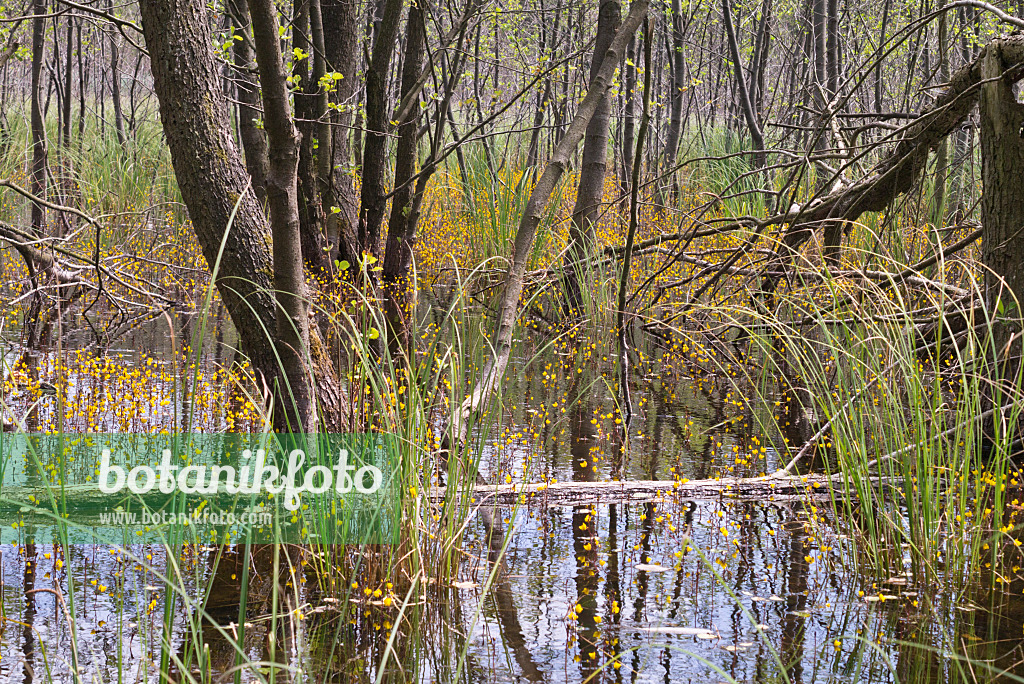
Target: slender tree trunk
832, 46
753, 125
938, 212
38, 170
398, 255
493, 371
282, 200
760, 59
115, 86
372, 203
543, 96
38, 184
881, 49
308, 73
69, 51
341, 202
254, 141
83, 85
627, 254
676, 63
582, 234
627, 116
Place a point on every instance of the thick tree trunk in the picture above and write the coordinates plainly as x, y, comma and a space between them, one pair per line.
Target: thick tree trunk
282, 199
213, 180
582, 235
1002, 210
210, 173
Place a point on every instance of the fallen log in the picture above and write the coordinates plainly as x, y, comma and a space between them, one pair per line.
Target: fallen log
767, 488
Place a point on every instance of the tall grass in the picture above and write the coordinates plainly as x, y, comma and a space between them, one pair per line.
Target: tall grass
95, 173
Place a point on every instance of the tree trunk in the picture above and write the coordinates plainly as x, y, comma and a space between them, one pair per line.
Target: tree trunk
83, 82
341, 202
69, 51
676, 63
283, 201
938, 212
881, 50
398, 255
1002, 210
832, 46
254, 141
115, 86
582, 234
308, 73
490, 377
212, 180
38, 184
753, 125
373, 203
38, 169
760, 59
625, 167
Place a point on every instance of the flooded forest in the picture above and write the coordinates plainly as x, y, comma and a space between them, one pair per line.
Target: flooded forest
593, 341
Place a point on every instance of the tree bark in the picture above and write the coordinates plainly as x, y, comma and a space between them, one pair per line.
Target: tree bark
832, 46
115, 85
1002, 211
896, 173
881, 50
753, 125
212, 180
295, 396
625, 167
309, 109
254, 141
582, 234
676, 62
398, 254
938, 210
341, 202
759, 67
373, 204
38, 130
69, 51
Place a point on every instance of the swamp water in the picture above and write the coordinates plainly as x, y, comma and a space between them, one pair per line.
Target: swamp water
669, 589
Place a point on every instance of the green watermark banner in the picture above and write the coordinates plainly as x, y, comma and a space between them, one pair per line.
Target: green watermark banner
120, 488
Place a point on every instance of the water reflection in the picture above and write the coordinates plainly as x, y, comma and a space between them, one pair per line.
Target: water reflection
671, 590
